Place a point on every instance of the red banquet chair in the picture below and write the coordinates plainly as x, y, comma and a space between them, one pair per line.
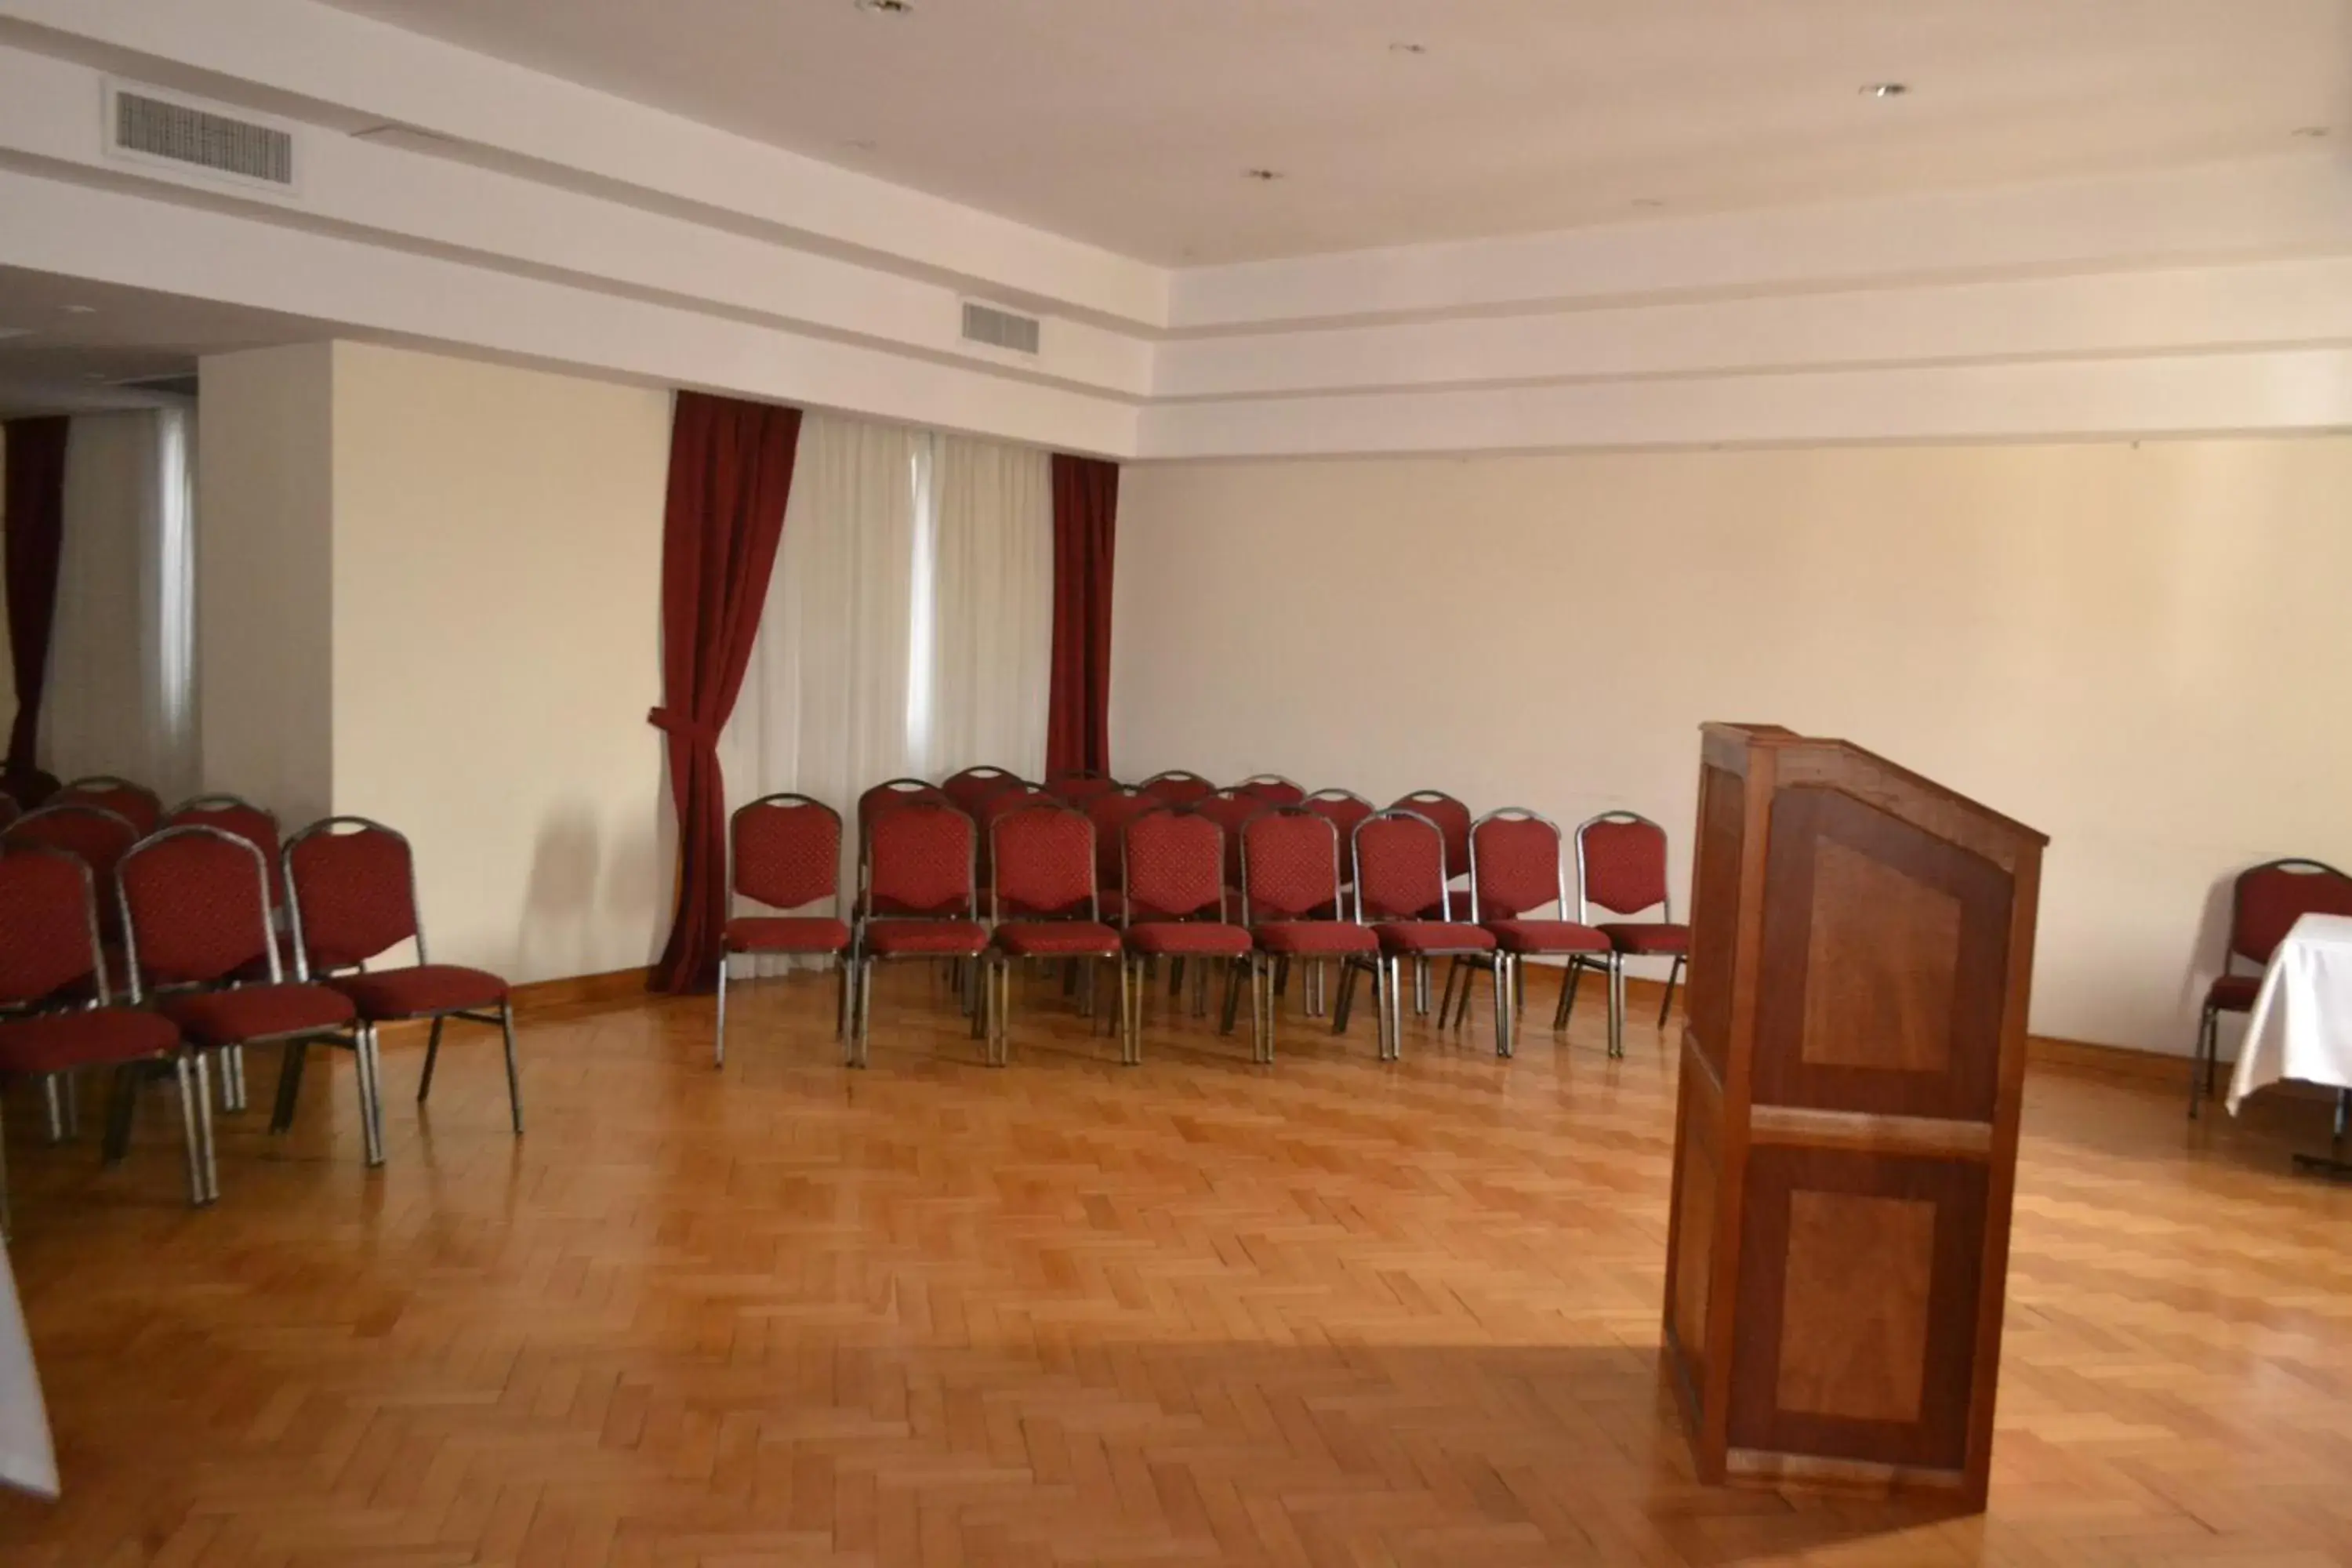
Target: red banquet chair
1400, 858
1078, 785
195, 916
1620, 866
352, 898
1271, 788
1290, 902
257, 827
886, 796
1172, 872
2265, 904
49, 946
784, 851
973, 787
1344, 808
92, 833
1515, 870
1177, 787
1110, 812
134, 803
1042, 897
916, 869
1452, 821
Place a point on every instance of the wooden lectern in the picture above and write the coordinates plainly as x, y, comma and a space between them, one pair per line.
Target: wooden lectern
1845, 1146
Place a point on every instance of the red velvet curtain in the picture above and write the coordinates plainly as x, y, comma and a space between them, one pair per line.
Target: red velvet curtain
34, 513
730, 472
1085, 530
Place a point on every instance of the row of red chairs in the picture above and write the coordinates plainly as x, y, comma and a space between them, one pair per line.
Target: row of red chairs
1321, 878
213, 936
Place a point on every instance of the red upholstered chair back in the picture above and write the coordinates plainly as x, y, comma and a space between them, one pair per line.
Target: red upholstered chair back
195, 908
48, 925
92, 833
135, 803
232, 814
785, 851
1342, 807
1399, 868
1514, 865
1453, 820
918, 861
2271, 897
1110, 813
1621, 863
1043, 856
894, 792
1077, 785
1231, 810
1290, 864
1175, 865
354, 892
1271, 788
1177, 787
972, 786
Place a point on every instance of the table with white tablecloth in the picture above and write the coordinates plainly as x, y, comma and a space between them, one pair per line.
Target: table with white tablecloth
2301, 1026
26, 1459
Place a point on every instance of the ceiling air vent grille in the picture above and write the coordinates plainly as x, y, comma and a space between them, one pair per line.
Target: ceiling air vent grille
181, 134
1000, 329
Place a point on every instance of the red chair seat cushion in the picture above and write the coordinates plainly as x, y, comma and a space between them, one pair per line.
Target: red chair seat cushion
1548, 936
925, 939
257, 1013
1649, 936
419, 991
1433, 936
1188, 938
2233, 993
1056, 938
101, 1036
786, 934
1313, 938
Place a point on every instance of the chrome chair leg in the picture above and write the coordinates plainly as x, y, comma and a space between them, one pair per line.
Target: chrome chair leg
183, 1070
718, 1033
370, 1123
1668, 1006
1506, 1027
1616, 1004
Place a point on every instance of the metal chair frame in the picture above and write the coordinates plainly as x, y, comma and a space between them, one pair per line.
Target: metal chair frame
841, 959
61, 1092
1391, 964
290, 1081
1179, 776
996, 976
1261, 962
103, 784
232, 1074
1515, 963
1132, 991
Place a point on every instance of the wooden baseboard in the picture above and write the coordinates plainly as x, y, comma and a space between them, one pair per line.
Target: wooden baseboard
578, 992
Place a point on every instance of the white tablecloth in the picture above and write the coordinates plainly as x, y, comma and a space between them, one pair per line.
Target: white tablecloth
2301, 1027
27, 1460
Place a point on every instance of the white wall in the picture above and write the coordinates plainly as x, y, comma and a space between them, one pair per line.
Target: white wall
264, 501
2132, 646
496, 571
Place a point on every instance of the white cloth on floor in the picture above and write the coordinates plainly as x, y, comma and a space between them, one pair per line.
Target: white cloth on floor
26, 1459
2301, 1027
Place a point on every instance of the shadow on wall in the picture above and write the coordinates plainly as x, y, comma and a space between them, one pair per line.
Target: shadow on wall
559, 913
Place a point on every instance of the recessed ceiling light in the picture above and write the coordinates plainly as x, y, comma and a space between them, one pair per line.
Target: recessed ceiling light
887, 8
80, 310
93, 375
1885, 89
1261, 174
1648, 202
2312, 132
1403, 47
859, 145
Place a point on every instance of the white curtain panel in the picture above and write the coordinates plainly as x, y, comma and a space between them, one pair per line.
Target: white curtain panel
121, 692
981, 694
907, 630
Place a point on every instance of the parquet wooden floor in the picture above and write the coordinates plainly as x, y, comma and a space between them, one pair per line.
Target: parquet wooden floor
1331, 1314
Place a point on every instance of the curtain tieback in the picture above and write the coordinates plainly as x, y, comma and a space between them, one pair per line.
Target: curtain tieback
684, 726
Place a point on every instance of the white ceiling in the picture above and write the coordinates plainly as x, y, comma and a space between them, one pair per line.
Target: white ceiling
68, 346
1130, 122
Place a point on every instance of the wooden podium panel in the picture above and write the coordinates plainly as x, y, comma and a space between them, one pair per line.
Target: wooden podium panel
1845, 1145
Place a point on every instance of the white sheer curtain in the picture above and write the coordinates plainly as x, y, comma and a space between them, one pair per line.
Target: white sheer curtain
121, 693
908, 627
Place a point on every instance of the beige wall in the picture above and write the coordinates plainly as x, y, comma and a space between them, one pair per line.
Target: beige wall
497, 569
264, 581
2134, 648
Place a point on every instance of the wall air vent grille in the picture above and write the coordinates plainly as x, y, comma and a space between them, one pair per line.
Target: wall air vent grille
153, 127
1000, 329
